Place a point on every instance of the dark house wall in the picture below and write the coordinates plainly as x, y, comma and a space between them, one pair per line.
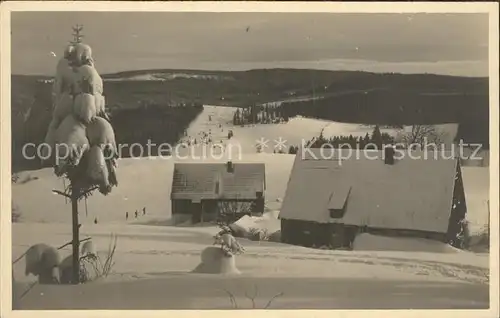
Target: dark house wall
181, 210
258, 207
305, 233
405, 233
181, 206
197, 212
341, 236
208, 210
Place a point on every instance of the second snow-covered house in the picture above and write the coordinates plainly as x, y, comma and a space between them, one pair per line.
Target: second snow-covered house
204, 192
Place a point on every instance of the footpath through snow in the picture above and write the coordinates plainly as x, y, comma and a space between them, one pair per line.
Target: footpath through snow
153, 251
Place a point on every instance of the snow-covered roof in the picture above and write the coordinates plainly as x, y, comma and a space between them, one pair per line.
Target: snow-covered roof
410, 194
198, 181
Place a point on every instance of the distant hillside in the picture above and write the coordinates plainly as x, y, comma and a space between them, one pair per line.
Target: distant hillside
338, 95
244, 88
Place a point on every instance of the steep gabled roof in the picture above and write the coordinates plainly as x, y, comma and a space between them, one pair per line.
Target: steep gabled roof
198, 181
410, 194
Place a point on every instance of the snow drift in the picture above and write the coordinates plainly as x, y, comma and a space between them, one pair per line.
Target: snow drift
369, 242
268, 223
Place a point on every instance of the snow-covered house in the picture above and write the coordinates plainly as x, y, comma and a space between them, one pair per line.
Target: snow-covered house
331, 196
203, 191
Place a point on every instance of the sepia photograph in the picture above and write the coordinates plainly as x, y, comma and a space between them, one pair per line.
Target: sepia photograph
250, 159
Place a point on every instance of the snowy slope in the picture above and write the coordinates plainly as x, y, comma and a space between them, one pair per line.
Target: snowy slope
142, 183
148, 250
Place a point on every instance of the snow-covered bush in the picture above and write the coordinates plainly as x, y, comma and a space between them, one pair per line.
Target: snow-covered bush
257, 234
95, 266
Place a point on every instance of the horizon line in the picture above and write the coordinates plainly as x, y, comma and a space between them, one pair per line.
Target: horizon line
259, 69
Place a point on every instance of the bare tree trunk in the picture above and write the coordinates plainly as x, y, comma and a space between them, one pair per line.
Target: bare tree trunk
421, 134
414, 134
75, 191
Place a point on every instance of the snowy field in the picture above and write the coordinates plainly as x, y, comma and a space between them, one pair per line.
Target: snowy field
149, 248
153, 251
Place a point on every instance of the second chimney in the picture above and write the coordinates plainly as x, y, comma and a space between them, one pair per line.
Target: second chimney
389, 155
230, 167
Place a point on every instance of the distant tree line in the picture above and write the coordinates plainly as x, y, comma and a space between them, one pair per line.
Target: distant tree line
160, 123
389, 107
154, 124
376, 140
395, 108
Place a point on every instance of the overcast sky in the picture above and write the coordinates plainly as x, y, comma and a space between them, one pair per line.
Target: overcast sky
454, 44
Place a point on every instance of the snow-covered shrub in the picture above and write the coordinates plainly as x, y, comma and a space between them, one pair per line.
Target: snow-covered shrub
94, 267
257, 234
238, 231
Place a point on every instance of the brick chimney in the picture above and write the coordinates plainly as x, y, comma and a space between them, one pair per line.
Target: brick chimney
230, 167
389, 155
